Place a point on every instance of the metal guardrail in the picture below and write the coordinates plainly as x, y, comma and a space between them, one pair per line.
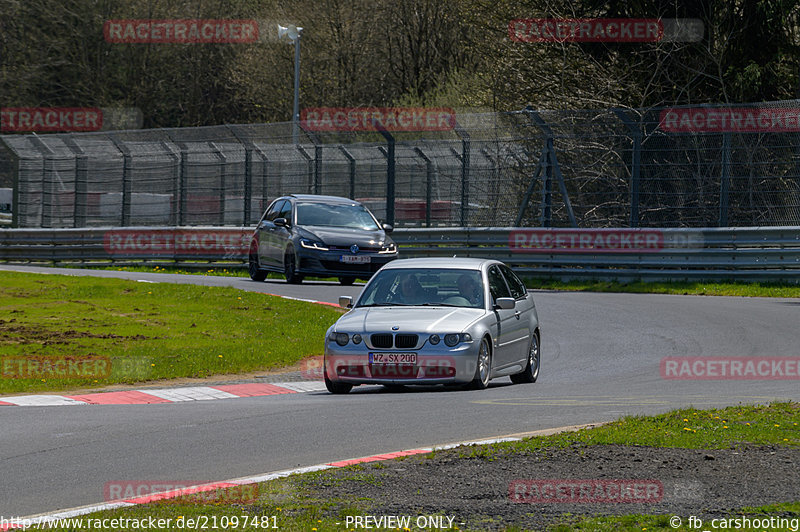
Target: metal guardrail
769, 253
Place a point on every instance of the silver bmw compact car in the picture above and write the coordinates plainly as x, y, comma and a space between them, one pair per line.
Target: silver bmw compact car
454, 321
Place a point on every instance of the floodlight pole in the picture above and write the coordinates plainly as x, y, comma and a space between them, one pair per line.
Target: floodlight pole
296, 109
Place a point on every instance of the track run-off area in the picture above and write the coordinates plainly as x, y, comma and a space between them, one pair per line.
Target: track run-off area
602, 358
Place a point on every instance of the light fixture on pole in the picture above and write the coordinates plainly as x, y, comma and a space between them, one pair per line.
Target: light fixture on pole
293, 33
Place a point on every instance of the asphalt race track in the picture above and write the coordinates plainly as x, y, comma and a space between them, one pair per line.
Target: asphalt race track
600, 360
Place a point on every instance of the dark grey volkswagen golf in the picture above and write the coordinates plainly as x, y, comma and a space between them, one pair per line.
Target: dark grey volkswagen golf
324, 236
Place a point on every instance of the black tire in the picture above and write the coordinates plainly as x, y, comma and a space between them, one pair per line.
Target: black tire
290, 267
347, 281
531, 371
337, 388
256, 273
483, 366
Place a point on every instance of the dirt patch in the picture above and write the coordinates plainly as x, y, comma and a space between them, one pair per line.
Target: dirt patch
481, 492
15, 333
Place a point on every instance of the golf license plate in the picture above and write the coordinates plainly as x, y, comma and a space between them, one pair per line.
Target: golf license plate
355, 259
392, 358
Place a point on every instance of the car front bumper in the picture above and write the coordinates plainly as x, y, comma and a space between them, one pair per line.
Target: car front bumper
435, 364
328, 263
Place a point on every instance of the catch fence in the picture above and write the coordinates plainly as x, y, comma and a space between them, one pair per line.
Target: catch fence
675, 167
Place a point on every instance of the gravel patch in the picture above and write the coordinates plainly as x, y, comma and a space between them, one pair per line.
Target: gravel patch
481, 491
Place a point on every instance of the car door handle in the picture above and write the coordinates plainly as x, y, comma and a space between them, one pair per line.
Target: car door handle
516, 314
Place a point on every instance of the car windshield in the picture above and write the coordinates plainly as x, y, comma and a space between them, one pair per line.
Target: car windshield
351, 216
420, 287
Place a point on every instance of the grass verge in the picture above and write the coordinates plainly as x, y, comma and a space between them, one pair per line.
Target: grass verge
743, 289
299, 502
144, 331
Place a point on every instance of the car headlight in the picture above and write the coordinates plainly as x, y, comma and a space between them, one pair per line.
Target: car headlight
356, 339
453, 339
389, 248
339, 338
434, 339
313, 244
450, 340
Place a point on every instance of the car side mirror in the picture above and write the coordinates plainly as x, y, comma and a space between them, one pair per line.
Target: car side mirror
346, 301
506, 303
388, 228
280, 222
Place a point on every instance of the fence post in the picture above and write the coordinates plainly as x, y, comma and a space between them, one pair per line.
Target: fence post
223, 180
428, 183
248, 173
314, 185
390, 174
180, 184
47, 191
636, 163
352, 164
465, 152
552, 170
725, 180
528, 193
15, 219
317, 167
309, 165
81, 177
125, 193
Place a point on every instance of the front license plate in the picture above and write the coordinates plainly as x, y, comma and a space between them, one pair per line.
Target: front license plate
392, 358
355, 259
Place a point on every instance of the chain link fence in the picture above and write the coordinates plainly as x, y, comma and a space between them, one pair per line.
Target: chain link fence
678, 167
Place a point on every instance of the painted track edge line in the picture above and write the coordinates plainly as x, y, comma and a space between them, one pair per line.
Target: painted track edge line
83, 510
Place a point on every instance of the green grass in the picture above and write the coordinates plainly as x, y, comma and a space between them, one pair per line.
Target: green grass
234, 270
638, 523
147, 331
690, 428
744, 289
737, 288
299, 502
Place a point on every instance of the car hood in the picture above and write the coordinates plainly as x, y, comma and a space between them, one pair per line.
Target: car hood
409, 319
341, 236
